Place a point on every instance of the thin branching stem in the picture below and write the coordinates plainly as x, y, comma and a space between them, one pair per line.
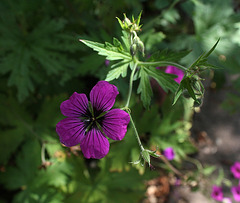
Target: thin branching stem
136, 132
163, 63
163, 158
131, 84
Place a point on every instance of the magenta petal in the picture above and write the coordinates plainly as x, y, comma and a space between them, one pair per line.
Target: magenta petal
115, 124
174, 70
236, 193
71, 131
94, 145
235, 169
75, 106
102, 96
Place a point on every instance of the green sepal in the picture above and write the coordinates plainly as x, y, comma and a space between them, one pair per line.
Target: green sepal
202, 59
89, 127
90, 107
100, 128
146, 157
102, 114
153, 153
186, 83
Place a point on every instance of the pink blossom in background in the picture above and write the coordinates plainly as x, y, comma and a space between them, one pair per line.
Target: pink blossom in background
169, 153
235, 169
174, 70
236, 192
227, 200
107, 62
217, 193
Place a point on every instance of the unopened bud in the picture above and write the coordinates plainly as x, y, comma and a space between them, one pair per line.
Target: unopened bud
127, 21
197, 86
139, 43
186, 94
133, 49
146, 156
140, 46
198, 102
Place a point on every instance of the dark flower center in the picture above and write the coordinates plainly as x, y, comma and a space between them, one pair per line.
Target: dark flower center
93, 118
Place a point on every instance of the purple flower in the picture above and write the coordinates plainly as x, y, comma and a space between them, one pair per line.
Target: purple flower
175, 71
217, 193
107, 62
169, 153
90, 123
227, 200
236, 192
235, 169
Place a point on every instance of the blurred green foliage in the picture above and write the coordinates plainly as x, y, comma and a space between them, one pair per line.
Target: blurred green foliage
42, 63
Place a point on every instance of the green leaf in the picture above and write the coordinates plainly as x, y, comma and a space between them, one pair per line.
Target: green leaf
10, 140
126, 41
110, 51
119, 69
168, 55
202, 59
39, 194
27, 163
165, 80
178, 93
209, 170
185, 84
145, 88
38, 49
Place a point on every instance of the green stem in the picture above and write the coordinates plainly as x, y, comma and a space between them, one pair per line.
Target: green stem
136, 132
163, 63
164, 159
196, 162
131, 84
43, 153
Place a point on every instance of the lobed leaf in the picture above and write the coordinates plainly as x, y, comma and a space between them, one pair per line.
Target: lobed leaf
168, 55
145, 88
119, 69
110, 51
165, 80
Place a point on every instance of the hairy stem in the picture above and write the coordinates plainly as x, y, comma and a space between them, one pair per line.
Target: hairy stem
163, 63
196, 162
43, 153
136, 132
131, 84
163, 158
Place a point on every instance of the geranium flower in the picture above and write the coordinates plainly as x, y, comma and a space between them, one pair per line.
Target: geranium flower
226, 200
236, 193
174, 70
235, 169
217, 193
169, 153
90, 123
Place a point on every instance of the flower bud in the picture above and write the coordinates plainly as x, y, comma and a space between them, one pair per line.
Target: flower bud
139, 43
146, 156
197, 86
140, 46
198, 102
186, 94
127, 21
133, 49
